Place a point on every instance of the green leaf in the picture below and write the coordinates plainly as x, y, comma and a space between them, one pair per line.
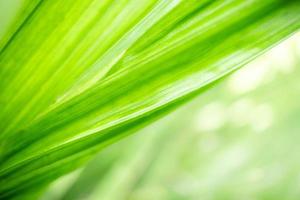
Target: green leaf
79, 75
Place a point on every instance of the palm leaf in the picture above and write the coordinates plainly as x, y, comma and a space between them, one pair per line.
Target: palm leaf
79, 75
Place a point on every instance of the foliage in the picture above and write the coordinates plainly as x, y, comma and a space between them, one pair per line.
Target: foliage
79, 75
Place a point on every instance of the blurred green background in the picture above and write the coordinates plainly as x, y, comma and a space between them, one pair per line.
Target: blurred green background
238, 141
